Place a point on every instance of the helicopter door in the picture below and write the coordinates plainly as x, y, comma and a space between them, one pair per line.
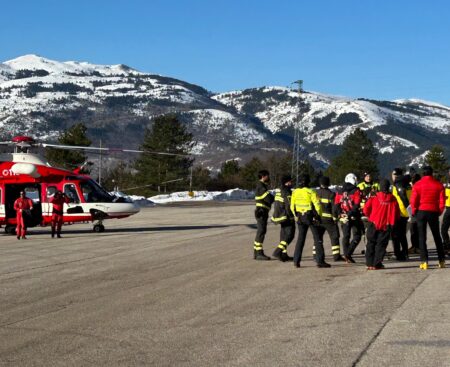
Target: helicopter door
32, 191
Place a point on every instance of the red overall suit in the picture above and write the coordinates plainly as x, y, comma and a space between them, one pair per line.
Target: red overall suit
21, 204
57, 215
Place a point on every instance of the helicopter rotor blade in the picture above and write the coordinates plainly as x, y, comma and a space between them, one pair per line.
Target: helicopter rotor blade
113, 150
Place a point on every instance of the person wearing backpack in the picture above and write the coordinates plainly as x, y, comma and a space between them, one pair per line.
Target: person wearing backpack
382, 211
347, 203
401, 189
328, 218
306, 207
283, 216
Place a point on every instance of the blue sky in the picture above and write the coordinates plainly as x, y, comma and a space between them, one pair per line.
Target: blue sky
358, 48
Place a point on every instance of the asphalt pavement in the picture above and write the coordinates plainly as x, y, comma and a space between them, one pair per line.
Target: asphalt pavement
177, 286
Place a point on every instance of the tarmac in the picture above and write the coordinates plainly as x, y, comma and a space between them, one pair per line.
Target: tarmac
177, 286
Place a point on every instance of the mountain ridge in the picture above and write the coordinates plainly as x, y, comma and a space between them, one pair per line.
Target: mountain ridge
117, 102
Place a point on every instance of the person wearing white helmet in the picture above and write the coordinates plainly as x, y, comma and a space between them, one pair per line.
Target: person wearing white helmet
347, 202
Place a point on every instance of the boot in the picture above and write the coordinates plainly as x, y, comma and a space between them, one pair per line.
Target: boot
441, 264
53, 232
348, 259
286, 257
277, 254
338, 257
261, 256
297, 265
323, 265
423, 266
58, 235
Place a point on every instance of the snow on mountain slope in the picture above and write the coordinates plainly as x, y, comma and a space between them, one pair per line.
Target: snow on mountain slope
279, 107
42, 97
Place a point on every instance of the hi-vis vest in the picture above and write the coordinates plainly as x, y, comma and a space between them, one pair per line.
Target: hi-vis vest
263, 197
447, 195
281, 206
303, 200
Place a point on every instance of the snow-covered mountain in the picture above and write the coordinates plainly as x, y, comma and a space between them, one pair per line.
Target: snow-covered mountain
41, 97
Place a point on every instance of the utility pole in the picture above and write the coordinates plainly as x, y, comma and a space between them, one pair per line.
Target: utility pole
100, 165
296, 148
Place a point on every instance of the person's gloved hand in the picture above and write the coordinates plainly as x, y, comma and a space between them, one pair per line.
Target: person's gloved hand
343, 219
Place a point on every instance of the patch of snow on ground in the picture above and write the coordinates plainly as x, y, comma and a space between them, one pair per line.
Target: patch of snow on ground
229, 195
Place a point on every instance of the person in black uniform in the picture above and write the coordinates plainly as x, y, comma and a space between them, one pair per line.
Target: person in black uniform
283, 215
264, 200
329, 216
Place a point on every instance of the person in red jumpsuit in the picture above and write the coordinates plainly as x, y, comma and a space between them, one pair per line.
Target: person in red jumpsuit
22, 206
58, 201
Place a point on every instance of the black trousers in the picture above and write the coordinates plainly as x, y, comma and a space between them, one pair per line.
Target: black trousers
432, 219
262, 216
445, 227
399, 240
333, 232
377, 242
414, 232
287, 232
302, 231
355, 227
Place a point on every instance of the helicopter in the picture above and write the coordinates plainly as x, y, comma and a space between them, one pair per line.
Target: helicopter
26, 171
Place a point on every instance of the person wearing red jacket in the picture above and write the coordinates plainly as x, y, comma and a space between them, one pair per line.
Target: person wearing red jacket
58, 201
427, 204
22, 206
347, 202
382, 211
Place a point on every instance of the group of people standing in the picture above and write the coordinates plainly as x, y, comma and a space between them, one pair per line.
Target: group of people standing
380, 210
24, 205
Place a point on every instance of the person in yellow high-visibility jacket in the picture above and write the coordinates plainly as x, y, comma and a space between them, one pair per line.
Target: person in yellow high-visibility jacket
305, 205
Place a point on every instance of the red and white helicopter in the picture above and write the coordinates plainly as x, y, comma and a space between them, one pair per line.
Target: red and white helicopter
30, 172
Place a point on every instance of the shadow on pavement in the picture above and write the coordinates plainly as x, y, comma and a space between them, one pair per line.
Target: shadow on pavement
134, 229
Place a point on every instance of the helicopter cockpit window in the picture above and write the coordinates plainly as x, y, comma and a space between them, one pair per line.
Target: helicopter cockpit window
71, 192
51, 191
32, 193
94, 193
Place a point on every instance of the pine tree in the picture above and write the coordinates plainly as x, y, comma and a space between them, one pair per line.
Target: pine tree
229, 175
358, 156
249, 173
437, 160
167, 135
70, 159
119, 177
201, 178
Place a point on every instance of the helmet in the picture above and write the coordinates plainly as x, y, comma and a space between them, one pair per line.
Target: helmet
351, 178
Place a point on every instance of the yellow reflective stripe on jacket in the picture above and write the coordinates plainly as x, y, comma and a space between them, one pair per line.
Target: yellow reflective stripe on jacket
447, 197
325, 201
280, 219
262, 196
305, 199
327, 215
263, 206
279, 198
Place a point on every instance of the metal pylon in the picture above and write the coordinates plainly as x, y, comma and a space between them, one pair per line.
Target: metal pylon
296, 151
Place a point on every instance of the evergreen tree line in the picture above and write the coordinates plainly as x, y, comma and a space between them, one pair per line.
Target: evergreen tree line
153, 172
